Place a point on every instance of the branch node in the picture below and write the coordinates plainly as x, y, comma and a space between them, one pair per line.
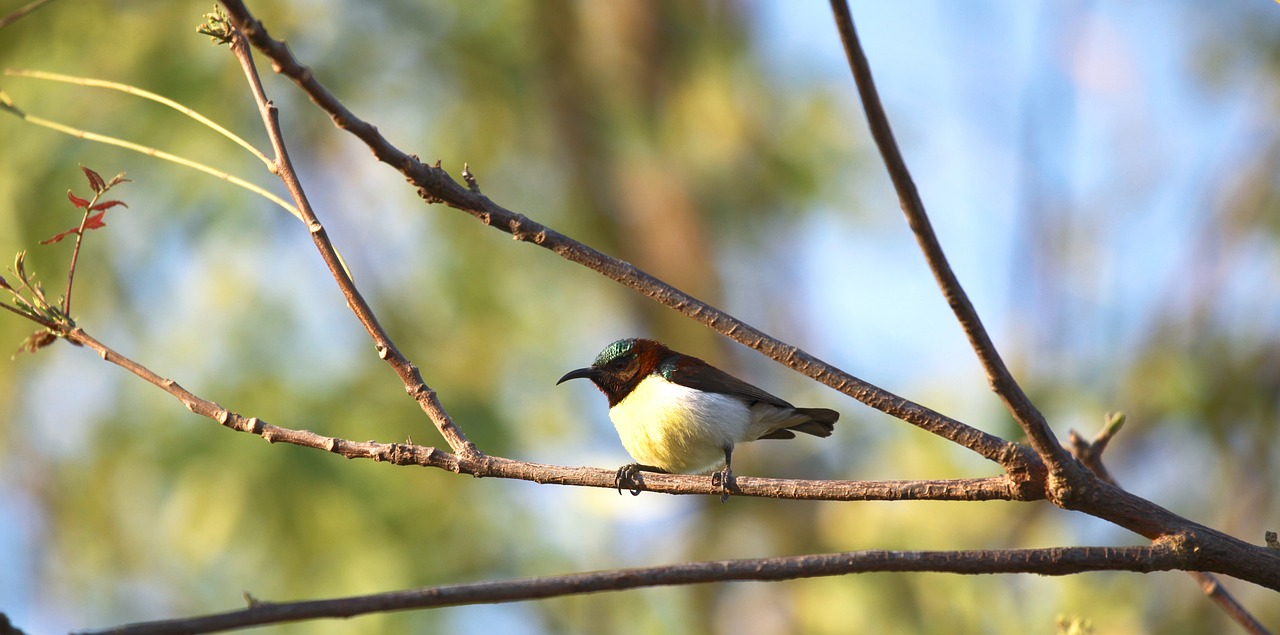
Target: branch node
427, 196
1272, 540
1183, 543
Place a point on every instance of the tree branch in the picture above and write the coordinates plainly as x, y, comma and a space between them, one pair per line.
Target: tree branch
1090, 454
1054, 561
977, 489
1072, 486
435, 185
1069, 485
1179, 543
283, 167
1002, 382
21, 12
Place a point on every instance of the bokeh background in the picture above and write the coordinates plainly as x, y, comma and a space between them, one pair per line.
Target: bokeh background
1102, 175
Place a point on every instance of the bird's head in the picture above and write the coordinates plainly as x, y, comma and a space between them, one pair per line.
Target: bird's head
621, 366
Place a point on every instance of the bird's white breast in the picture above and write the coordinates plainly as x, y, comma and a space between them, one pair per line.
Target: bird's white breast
677, 428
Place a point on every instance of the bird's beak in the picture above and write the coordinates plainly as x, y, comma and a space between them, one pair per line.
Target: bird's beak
588, 373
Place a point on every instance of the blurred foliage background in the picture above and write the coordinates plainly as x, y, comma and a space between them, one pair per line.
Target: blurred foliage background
1103, 178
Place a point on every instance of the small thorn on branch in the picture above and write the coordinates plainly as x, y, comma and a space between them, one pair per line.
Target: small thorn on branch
470, 178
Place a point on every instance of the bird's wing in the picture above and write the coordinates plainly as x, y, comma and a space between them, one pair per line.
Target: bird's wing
699, 375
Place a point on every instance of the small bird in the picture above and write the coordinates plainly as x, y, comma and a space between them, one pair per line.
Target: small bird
678, 414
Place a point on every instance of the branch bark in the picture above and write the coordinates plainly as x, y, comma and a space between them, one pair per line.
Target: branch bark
1054, 561
976, 489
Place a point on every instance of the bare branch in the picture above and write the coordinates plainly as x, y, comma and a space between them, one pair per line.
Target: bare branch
978, 489
1073, 487
1002, 382
435, 185
1054, 561
1090, 454
21, 12
1066, 482
283, 167
1219, 595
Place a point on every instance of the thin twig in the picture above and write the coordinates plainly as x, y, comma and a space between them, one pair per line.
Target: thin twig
283, 167
75, 253
1052, 561
7, 105
145, 94
1002, 382
21, 12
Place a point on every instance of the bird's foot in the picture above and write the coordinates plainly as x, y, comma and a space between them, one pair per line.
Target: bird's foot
722, 479
627, 474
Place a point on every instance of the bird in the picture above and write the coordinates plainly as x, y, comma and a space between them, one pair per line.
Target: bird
678, 414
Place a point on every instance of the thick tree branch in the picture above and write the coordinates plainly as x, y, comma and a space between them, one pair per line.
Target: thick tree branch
1054, 561
435, 185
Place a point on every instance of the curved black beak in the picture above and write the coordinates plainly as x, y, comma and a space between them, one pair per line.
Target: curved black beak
581, 373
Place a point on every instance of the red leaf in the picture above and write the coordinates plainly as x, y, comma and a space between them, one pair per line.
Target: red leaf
106, 205
59, 237
93, 222
95, 180
77, 201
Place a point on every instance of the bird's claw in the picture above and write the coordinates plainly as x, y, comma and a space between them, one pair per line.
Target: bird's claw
627, 476
721, 480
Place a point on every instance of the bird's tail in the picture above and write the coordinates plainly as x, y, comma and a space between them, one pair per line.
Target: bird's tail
819, 422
